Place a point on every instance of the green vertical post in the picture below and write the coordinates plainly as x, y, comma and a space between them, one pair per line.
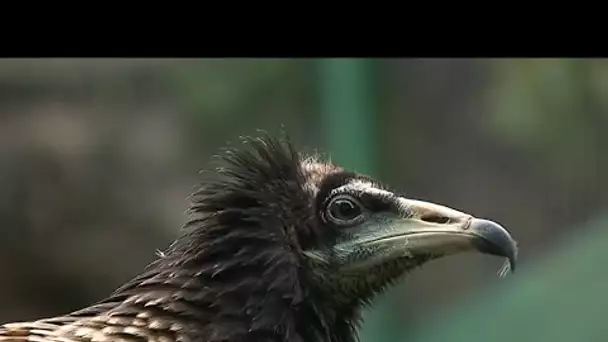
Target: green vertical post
349, 113
347, 102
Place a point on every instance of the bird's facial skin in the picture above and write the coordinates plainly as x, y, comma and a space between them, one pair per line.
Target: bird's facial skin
380, 235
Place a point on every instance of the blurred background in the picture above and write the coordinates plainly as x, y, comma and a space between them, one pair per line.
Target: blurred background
97, 157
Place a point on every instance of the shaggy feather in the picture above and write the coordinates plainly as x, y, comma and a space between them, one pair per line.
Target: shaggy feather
237, 272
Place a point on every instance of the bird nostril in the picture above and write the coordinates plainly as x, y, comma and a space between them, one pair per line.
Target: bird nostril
435, 218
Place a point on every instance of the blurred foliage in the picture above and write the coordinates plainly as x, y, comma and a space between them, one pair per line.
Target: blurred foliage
550, 107
558, 298
98, 157
257, 83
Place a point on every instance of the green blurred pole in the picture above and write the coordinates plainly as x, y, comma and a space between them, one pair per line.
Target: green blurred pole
347, 92
348, 108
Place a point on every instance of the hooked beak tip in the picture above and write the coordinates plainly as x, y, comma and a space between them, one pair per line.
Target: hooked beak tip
494, 240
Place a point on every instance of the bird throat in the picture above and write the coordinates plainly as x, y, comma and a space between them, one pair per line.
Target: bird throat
359, 287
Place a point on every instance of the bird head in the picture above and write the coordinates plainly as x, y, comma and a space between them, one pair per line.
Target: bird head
374, 235
280, 247
276, 235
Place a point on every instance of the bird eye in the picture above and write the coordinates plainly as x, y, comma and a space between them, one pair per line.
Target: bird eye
344, 210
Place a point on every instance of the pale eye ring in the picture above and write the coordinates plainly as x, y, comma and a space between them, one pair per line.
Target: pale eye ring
344, 210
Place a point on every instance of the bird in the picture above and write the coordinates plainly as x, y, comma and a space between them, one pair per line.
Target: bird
280, 246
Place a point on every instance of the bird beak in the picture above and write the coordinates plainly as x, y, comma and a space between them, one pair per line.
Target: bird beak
435, 230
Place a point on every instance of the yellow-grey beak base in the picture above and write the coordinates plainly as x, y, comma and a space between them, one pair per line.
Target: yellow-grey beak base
435, 230
451, 230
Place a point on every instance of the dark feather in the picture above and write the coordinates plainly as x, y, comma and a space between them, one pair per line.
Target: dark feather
234, 274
